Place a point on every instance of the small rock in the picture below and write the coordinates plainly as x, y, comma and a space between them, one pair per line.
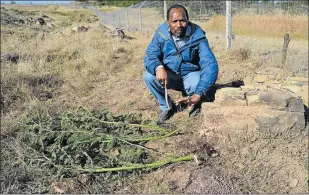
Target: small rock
41, 21
172, 186
56, 189
82, 29
120, 33
13, 57
45, 16
49, 25
73, 30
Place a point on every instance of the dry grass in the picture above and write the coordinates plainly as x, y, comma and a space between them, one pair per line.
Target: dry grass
264, 165
261, 25
95, 70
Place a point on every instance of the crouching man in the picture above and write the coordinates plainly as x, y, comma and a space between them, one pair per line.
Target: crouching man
179, 58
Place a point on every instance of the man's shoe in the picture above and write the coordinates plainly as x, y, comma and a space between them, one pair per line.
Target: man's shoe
166, 114
196, 110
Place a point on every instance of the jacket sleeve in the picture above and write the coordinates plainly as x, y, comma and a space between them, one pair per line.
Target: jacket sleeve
153, 56
209, 68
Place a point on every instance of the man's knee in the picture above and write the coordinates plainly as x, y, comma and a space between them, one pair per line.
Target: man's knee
191, 82
149, 78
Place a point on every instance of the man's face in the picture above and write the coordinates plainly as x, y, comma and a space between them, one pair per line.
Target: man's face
177, 22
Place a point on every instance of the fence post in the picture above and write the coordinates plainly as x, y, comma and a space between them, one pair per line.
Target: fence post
140, 16
285, 48
228, 25
165, 10
200, 18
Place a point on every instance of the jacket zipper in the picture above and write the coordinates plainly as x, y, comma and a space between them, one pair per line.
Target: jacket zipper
181, 49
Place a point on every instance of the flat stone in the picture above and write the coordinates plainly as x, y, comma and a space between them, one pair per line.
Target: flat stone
295, 104
266, 123
230, 96
251, 99
261, 78
276, 100
304, 95
276, 122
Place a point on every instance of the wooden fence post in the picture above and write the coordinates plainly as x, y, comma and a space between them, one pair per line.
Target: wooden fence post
285, 48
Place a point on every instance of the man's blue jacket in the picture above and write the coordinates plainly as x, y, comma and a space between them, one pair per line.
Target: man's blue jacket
195, 55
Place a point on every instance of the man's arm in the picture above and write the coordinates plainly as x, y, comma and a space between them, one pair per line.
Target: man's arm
153, 57
209, 68
153, 61
209, 73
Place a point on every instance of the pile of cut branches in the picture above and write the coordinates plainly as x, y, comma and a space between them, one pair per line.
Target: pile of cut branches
91, 141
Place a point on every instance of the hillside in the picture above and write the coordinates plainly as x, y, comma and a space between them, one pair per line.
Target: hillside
255, 119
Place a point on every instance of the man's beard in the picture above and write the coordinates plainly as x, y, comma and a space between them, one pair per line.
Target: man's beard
178, 34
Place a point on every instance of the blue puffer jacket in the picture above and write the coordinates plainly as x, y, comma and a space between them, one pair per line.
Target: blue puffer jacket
195, 55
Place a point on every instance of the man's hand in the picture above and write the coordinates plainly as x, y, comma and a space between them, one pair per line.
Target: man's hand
190, 101
195, 99
161, 76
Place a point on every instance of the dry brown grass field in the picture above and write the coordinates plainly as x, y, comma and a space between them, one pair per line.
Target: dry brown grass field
63, 70
267, 24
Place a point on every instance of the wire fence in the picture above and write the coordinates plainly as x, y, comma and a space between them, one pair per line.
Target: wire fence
147, 15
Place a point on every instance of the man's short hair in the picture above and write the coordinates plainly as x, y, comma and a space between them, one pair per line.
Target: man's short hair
176, 6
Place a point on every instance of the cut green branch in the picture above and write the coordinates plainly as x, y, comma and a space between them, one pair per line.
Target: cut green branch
141, 166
